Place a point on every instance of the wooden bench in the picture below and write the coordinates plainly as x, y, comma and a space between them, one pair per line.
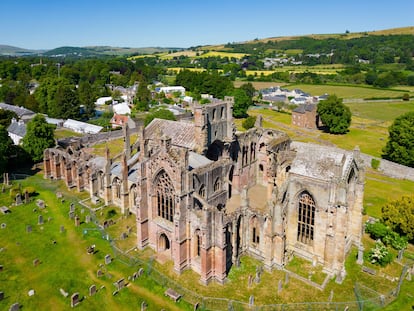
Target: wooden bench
172, 294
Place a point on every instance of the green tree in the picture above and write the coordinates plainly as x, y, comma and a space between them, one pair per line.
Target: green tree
249, 122
5, 148
400, 144
334, 115
159, 114
6, 116
399, 216
39, 136
242, 102
142, 96
87, 98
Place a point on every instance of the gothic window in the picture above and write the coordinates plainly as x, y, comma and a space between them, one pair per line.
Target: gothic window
198, 245
217, 185
101, 181
222, 113
306, 218
214, 114
164, 196
255, 230
202, 191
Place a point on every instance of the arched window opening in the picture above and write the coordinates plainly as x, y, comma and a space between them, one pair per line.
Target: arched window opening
222, 113
202, 191
198, 249
164, 196
306, 218
255, 230
117, 188
214, 114
217, 185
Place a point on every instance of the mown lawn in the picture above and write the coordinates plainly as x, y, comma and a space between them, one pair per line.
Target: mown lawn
384, 111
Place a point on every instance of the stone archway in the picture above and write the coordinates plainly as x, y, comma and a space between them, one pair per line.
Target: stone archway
163, 243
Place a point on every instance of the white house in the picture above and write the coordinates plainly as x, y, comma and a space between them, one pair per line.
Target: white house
102, 100
172, 89
121, 108
17, 130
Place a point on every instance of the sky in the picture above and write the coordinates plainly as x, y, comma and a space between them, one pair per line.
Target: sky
47, 24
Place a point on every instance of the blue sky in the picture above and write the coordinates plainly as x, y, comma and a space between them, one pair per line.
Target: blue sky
134, 23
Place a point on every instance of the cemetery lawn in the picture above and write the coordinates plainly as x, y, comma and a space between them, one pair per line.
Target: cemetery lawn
63, 260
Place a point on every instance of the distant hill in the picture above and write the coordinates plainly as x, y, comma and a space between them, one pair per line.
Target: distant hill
16, 51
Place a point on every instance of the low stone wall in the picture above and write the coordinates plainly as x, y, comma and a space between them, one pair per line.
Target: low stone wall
389, 168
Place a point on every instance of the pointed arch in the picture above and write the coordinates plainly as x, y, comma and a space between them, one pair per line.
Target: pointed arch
164, 195
306, 218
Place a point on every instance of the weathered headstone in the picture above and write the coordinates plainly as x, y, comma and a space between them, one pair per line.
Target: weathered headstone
26, 197
92, 290
62, 229
3, 225
114, 293
280, 286
196, 306
28, 228
250, 280
120, 284
105, 224
140, 271
40, 220
72, 207
77, 221
91, 249
331, 296
74, 300
400, 254
40, 204
18, 199
63, 292
14, 307
108, 259
71, 215
134, 276
314, 261
59, 195
129, 230
87, 219
124, 235
251, 300
143, 306
31, 292
36, 262
99, 273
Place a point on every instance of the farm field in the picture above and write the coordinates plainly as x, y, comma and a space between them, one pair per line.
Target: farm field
382, 111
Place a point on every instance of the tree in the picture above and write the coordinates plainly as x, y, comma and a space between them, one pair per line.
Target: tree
5, 148
399, 215
142, 96
249, 122
400, 144
159, 114
334, 115
87, 98
242, 101
39, 136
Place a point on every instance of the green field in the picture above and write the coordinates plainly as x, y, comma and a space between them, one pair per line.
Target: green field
343, 91
383, 111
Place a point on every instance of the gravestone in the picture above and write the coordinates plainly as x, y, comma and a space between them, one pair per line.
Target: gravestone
72, 207
1, 296
59, 195
105, 224
62, 229
74, 300
40, 204
40, 220
143, 306
114, 293
257, 278
314, 261
91, 249
134, 276
286, 278
14, 307
18, 199
140, 271
82, 210
108, 259
331, 296
120, 284
400, 255
196, 306
250, 280
71, 215
92, 290
36, 262
28, 228
63, 292
280, 286
99, 273
26, 197
87, 219
3, 225
77, 221
1, 268
124, 235
251, 300
31, 292
129, 230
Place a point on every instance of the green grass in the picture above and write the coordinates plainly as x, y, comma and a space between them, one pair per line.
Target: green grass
347, 91
384, 111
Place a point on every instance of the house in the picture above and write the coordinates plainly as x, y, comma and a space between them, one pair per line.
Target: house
22, 113
305, 116
203, 194
81, 127
119, 120
17, 130
103, 100
170, 90
121, 108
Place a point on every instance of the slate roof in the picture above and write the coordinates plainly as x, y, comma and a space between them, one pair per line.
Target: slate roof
20, 111
305, 108
17, 128
181, 133
196, 160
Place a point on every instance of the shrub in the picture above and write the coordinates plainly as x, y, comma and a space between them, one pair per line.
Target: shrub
380, 254
375, 163
110, 213
406, 97
249, 122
